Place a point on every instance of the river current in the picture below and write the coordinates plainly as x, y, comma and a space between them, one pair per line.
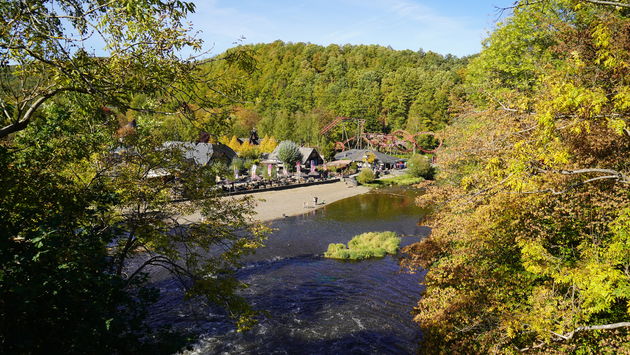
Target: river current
316, 305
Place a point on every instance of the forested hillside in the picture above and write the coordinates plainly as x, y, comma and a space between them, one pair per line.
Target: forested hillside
299, 87
530, 249
530, 242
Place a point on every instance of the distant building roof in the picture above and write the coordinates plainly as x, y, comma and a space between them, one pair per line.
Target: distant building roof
338, 163
308, 154
203, 153
359, 154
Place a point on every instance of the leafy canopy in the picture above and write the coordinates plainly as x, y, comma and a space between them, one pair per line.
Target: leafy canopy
289, 153
88, 209
532, 198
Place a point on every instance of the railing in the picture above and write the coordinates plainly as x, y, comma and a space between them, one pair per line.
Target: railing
237, 188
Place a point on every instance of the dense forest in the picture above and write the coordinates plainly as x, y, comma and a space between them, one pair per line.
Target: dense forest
530, 249
530, 242
297, 88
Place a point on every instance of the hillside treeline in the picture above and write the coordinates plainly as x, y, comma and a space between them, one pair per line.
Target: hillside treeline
297, 88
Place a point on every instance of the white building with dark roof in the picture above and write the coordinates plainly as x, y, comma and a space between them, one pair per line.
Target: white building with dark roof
359, 155
308, 155
204, 153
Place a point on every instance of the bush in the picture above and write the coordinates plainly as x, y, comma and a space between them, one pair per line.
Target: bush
265, 172
289, 153
248, 151
247, 164
364, 246
365, 176
419, 166
403, 180
238, 164
353, 168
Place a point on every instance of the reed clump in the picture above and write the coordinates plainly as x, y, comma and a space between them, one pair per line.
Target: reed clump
365, 246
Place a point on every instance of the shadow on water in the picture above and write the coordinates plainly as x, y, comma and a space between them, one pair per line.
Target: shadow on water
317, 305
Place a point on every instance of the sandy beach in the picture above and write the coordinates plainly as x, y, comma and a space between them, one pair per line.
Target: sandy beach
272, 205
292, 202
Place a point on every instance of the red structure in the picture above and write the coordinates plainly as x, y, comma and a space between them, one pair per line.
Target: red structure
400, 140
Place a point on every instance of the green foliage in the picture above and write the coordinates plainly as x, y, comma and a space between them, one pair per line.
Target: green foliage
529, 244
402, 180
247, 164
301, 87
419, 166
248, 151
289, 153
365, 246
265, 172
365, 176
99, 211
47, 59
56, 282
238, 164
81, 197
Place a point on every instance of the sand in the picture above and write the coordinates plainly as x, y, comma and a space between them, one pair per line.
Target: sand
272, 205
292, 202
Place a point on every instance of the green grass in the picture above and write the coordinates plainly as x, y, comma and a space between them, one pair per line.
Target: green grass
402, 180
365, 246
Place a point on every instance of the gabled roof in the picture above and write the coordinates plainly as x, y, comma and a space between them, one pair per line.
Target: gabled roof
305, 151
202, 153
358, 154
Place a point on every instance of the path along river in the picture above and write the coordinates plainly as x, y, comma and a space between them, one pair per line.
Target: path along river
318, 305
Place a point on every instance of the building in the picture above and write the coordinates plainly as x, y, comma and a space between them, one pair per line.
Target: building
308, 155
204, 153
360, 155
311, 155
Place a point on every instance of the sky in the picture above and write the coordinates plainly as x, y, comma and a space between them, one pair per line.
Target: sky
447, 27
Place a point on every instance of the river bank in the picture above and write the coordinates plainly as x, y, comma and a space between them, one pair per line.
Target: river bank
284, 203
272, 205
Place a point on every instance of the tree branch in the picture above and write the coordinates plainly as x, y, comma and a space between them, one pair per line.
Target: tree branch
164, 262
608, 3
598, 327
613, 174
26, 118
569, 335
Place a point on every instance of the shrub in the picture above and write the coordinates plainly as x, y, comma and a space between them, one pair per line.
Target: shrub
268, 144
365, 176
289, 153
419, 166
265, 172
238, 164
402, 180
248, 151
364, 246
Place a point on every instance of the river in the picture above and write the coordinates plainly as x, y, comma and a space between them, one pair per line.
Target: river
317, 305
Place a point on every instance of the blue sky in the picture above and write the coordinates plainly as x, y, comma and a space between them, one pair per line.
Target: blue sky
455, 27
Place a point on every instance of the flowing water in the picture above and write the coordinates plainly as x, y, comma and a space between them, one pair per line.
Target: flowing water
317, 305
